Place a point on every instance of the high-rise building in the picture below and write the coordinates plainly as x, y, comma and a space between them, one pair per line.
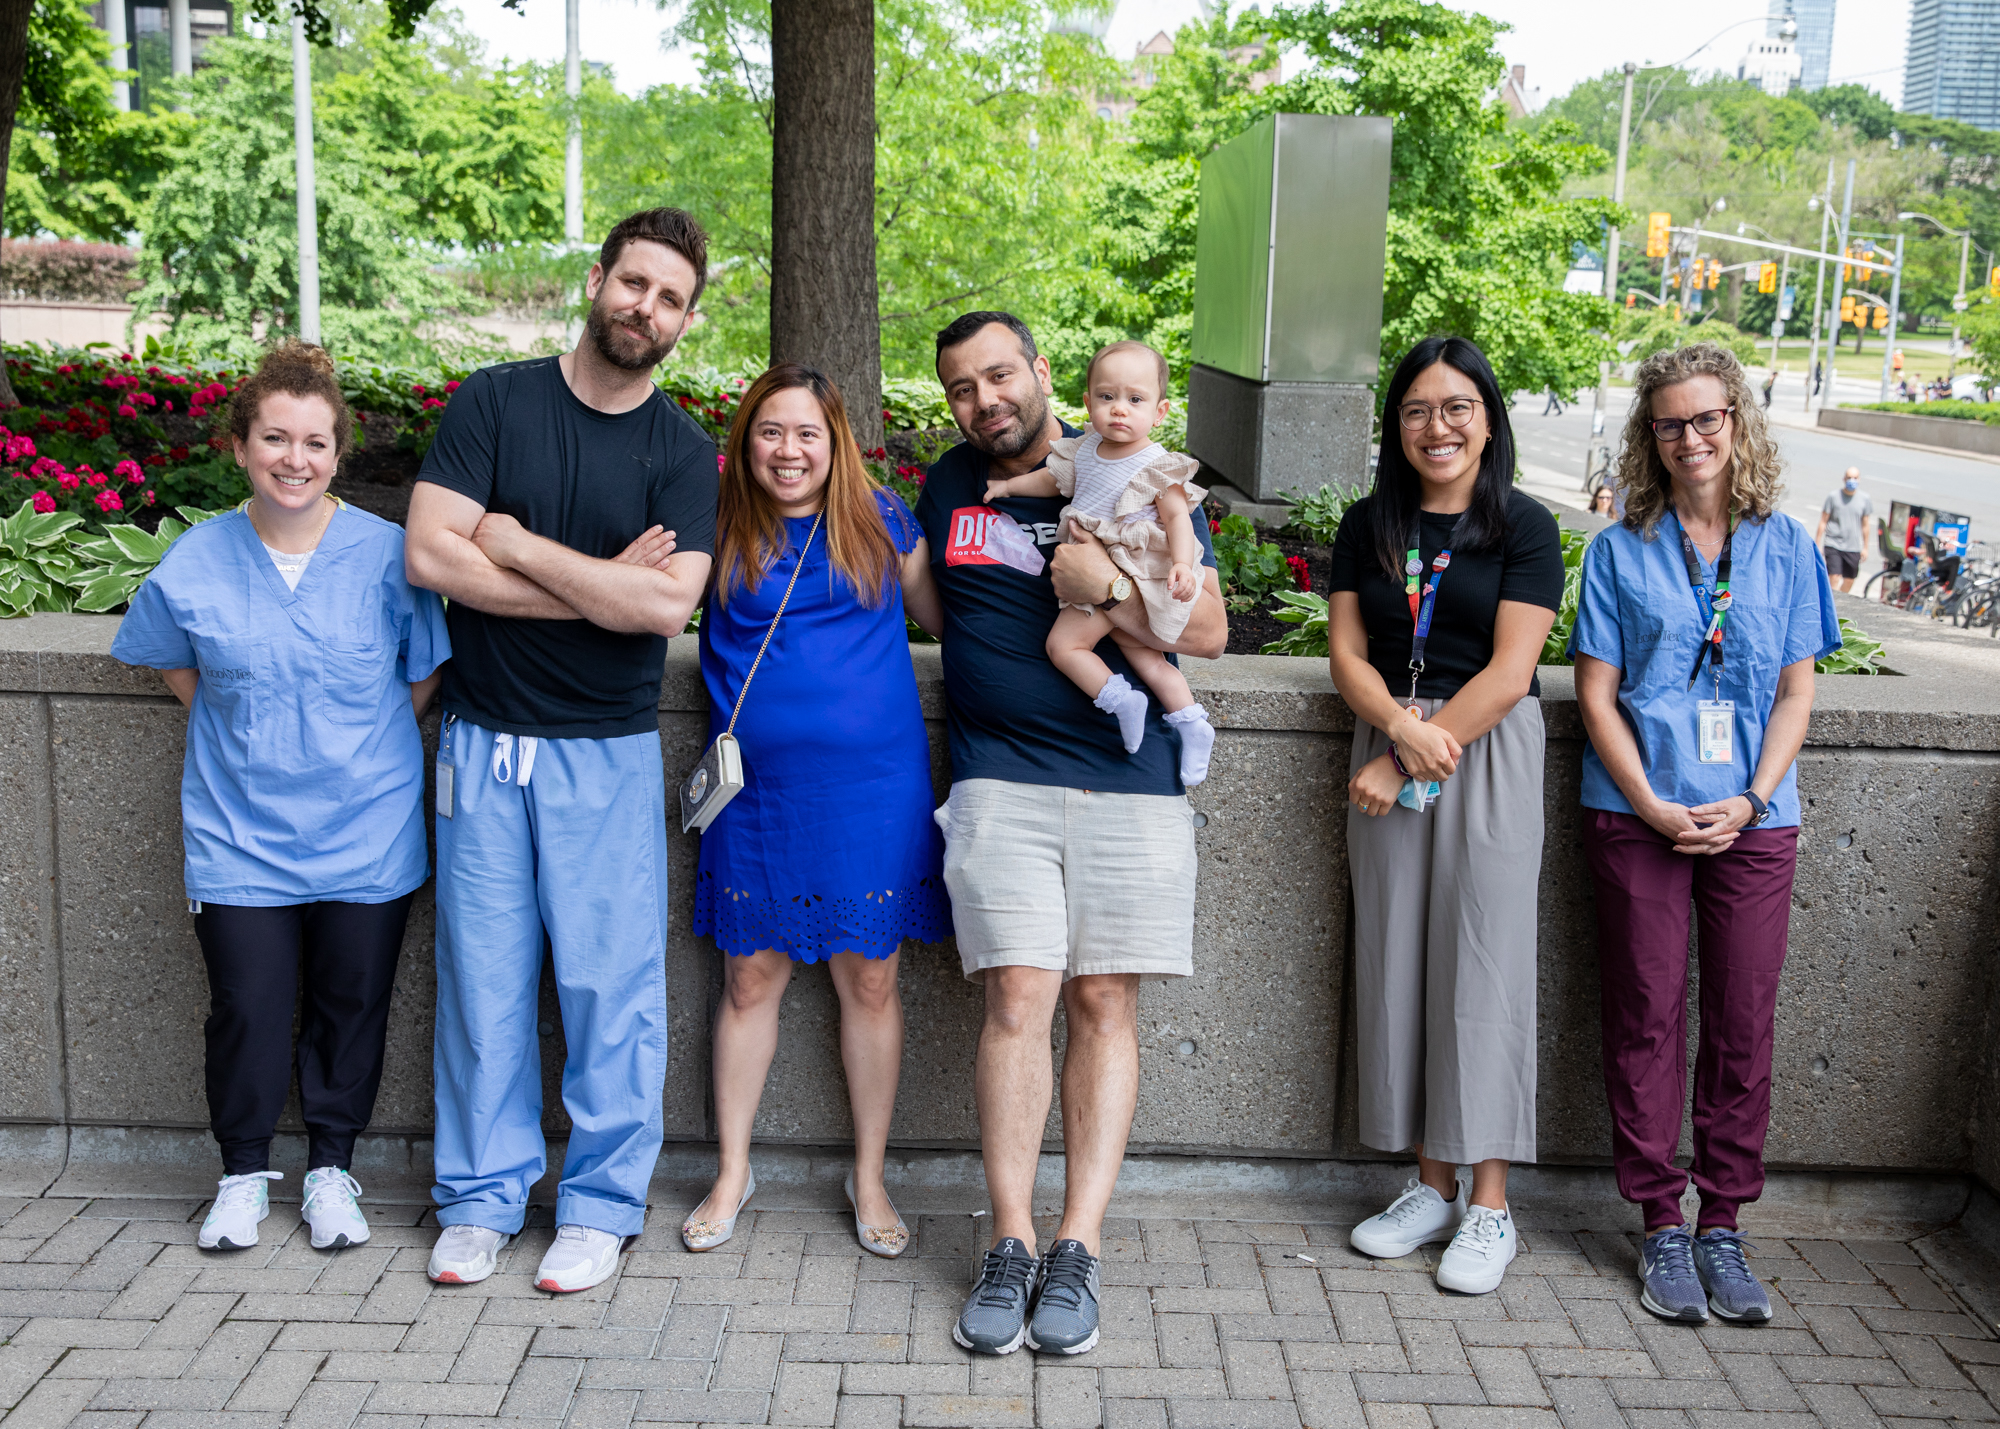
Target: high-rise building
1772, 64
1814, 41
1952, 69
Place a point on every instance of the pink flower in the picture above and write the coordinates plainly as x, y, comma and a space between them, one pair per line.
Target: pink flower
170, 405
451, 386
130, 470
431, 402
108, 501
91, 478
126, 409
720, 462
177, 381
148, 398
44, 502
418, 389
44, 468
67, 480
152, 372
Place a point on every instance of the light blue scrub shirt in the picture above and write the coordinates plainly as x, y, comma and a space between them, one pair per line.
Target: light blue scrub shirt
304, 777
1638, 612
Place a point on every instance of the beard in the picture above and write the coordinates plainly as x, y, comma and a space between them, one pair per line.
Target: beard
1030, 418
629, 346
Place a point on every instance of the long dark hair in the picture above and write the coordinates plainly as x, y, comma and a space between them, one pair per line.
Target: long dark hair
1399, 493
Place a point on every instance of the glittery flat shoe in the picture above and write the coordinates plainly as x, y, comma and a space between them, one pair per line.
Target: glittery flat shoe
707, 1235
885, 1241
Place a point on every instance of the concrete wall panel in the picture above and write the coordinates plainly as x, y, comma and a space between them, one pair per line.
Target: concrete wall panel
30, 964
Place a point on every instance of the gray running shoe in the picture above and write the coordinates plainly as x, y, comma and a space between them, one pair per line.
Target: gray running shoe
994, 1320
1734, 1292
1065, 1318
1673, 1288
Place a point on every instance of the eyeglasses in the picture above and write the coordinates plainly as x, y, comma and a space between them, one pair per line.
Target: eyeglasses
1458, 412
1669, 429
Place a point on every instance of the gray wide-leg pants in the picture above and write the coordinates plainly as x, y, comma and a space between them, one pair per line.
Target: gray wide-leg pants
1444, 950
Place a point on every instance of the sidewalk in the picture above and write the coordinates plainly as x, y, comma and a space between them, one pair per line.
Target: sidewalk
112, 1317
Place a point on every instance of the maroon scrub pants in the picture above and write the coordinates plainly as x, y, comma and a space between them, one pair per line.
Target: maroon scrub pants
1743, 899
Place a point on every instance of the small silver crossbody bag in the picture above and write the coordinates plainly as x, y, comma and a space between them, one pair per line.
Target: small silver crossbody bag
718, 778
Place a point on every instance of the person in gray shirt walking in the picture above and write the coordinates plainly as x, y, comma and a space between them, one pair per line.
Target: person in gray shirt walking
1844, 520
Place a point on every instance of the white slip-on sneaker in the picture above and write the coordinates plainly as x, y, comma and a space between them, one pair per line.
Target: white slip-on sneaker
581, 1257
1417, 1217
1476, 1261
466, 1255
241, 1203
330, 1210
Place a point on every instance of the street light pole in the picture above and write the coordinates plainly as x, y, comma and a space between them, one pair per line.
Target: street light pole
573, 155
1895, 304
302, 140
1833, 308
114, 31
1819, 283
1597, 417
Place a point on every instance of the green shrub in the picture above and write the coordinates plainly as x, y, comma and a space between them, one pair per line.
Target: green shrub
1248, 569
1987, 412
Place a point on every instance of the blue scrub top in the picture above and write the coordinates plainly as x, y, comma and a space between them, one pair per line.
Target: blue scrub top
1637, 611
304, 777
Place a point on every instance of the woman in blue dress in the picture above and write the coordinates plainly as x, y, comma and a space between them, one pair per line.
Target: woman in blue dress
829, 853
304, 658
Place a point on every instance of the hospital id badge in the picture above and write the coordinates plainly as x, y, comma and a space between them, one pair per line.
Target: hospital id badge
444, 789
1715, 731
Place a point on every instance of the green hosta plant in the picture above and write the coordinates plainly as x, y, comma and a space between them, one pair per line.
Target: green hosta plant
115, 562
1317, 516
1858, 653
35, 562
1246, 568
1306, 611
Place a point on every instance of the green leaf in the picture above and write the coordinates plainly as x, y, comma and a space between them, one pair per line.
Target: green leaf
137, 545
108, 589
28, 528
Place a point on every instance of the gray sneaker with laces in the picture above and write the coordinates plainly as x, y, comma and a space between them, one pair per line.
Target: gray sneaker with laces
1673, 1288
995, 1318
1065, 1318
1734, 1292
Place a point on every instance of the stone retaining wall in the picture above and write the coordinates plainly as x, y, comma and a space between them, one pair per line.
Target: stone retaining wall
1888, 1045
1952, 432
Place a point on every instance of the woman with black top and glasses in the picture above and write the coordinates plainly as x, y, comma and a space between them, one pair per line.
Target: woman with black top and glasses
1446, 582
1698, 622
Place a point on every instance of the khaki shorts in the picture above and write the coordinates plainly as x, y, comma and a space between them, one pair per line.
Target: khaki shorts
1077, 882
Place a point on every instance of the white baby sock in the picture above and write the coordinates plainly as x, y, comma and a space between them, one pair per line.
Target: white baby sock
1197, 739
1129, 705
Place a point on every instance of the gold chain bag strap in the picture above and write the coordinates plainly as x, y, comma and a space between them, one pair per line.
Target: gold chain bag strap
719, 776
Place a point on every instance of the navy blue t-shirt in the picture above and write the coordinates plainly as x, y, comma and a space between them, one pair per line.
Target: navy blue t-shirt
1013, 714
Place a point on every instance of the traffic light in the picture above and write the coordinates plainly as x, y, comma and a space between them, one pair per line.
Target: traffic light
1880, 319
1700, 271
1632, 299
1767, 278
1993, 283
1656, 235
1674, 309
1846, 269
1846, 308
1714, 273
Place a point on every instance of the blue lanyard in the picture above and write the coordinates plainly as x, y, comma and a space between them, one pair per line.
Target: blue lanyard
1423, 607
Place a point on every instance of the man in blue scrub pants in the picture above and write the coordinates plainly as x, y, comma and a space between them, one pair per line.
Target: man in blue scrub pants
567, 511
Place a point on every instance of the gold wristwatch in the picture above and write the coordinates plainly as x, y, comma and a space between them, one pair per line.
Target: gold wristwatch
1121, 590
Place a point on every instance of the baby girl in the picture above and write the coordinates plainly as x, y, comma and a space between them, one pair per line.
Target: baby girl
1134, 495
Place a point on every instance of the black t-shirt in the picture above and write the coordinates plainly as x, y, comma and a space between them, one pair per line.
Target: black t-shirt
516, 440
1014, 715
1527, 567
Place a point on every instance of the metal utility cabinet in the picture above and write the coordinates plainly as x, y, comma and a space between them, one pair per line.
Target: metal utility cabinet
1288, 303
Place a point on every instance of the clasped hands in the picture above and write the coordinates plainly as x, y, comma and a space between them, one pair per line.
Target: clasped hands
500, 538
1430, 752
1705, 828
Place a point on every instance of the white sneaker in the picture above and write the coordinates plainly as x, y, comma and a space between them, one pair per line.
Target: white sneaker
1417, 1217
1477, 1259
580, 1258
241, 1203
330, 1210
465, 1255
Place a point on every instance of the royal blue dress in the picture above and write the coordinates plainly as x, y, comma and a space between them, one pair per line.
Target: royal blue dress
831, 846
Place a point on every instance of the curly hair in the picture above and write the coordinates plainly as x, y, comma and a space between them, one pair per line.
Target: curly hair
297, 369
1755, 470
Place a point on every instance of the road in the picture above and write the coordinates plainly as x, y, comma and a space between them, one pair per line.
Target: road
1814, 460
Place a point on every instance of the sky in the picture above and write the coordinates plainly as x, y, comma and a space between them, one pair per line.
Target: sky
1868, 38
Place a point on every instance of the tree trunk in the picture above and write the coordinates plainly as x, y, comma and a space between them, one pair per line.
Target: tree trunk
823, 298
14, 16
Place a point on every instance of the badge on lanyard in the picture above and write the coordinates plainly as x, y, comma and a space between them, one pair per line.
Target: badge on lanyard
1715, 731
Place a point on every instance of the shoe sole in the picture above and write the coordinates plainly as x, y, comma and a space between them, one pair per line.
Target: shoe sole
1471, 1287
1693, 1315
556, 1287
339, 1242
220, 1244
1748, 1317
1021, 1338
1387, 1251
1039, 1348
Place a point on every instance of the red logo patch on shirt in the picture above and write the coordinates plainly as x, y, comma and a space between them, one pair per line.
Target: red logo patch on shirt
965, 543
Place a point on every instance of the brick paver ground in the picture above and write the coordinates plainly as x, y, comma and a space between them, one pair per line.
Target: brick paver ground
109, 1316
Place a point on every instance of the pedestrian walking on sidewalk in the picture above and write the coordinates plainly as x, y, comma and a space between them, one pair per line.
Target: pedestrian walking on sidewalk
1554, 405
1700, 617
305, 659
1446, 582
1846, 520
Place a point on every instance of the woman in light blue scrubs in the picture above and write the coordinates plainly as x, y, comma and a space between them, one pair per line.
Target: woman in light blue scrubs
305, 658
1700, 616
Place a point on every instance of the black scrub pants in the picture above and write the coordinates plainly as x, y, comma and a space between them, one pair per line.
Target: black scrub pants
350, 952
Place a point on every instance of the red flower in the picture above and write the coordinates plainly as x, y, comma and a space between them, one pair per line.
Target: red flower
179, 453
430, 402
108, 501
44, 502
1301, 572
1214, 527
418, 389
126, 409
157, 459
451, 387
